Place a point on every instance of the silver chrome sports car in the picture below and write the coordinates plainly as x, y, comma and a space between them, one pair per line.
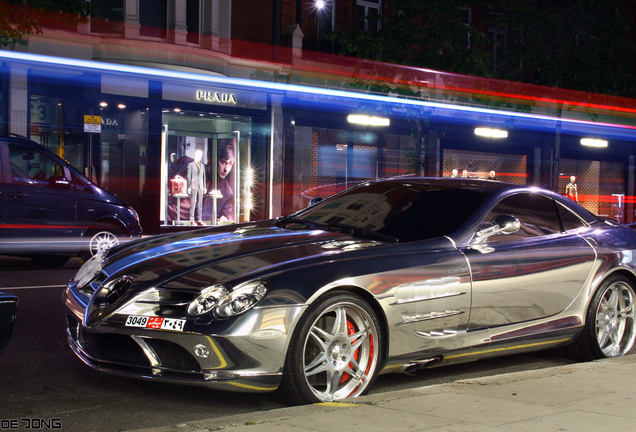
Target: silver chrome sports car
388, 276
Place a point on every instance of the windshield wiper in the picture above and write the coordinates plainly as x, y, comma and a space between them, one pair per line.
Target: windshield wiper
284, 220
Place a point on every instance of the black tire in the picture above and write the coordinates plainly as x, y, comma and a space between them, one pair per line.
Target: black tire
334, 352
610, 322
98, 238
50, 261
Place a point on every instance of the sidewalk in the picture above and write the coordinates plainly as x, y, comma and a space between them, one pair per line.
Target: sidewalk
592, 396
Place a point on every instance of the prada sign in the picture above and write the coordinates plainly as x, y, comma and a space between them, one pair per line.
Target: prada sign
211, 95
216, 97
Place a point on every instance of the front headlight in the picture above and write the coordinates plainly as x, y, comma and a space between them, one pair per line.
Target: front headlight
225, 303
133, 213
208, 300
90, 269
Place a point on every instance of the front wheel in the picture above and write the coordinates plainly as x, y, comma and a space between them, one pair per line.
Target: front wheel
101, 239
610, 326
334, 352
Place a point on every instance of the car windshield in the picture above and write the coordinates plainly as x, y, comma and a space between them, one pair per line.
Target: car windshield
399, 211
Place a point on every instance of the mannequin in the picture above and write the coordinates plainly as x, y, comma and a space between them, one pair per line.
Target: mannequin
571, 190
196, 187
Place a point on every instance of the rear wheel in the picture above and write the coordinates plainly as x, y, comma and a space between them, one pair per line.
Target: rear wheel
610, 325
334, 352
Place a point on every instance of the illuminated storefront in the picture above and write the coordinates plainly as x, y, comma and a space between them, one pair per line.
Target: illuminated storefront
219, 123
262, 149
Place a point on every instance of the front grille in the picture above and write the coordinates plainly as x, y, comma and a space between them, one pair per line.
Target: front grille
114, 348
123, 350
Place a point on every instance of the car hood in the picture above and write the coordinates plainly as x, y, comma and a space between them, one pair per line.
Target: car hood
188, 262
225, 253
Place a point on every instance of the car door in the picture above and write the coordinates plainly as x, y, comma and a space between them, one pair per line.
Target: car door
530, 274
39, 208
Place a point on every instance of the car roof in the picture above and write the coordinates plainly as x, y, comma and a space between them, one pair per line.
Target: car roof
496, 189
16, 137
491, 187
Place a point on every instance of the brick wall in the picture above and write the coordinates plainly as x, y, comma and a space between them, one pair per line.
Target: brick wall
253, 20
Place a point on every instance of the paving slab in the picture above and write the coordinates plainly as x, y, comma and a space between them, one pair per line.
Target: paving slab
579, 397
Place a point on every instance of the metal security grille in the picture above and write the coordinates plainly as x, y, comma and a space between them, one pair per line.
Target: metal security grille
471, 164
600, 185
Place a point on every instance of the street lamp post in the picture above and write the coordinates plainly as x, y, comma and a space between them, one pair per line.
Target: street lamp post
320, 7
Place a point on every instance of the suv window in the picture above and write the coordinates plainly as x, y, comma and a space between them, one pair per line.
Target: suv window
537, 214
29, 166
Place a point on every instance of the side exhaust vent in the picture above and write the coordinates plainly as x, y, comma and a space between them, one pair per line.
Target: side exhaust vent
420, 364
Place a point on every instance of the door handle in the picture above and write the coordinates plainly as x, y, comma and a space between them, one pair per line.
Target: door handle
17, 194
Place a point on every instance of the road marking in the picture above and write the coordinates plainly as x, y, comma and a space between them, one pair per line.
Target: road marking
32, 287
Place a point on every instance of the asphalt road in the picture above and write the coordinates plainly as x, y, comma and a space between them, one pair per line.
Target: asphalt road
43, 384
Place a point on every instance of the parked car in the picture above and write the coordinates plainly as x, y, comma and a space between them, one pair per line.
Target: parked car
8, 312
388, 276
50, 211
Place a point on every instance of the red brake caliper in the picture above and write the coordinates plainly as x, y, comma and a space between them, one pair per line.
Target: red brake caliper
345, 376
350, 330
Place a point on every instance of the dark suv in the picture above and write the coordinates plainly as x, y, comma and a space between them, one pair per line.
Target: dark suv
49, 211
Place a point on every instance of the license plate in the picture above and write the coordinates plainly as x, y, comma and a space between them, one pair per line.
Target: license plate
153, 322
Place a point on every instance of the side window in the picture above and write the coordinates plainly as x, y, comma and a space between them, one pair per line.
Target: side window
32, 167
570, 220
537, 214
79, 183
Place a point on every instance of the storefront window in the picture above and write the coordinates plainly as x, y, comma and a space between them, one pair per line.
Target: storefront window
56, 124
118, 155
494, 166
207, 178
599, 186
338, 158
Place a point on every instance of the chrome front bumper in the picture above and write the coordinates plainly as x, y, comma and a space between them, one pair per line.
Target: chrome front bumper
247, 356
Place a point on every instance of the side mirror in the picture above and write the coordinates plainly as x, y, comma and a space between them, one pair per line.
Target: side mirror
502, 224
59, 182
315, 200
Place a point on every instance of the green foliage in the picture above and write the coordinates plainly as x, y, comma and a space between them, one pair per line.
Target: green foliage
575, 44
25, 17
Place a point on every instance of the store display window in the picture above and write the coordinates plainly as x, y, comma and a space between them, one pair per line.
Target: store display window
492, 166
206, 176
599, 186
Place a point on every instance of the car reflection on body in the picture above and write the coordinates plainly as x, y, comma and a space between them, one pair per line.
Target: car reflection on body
388, 276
